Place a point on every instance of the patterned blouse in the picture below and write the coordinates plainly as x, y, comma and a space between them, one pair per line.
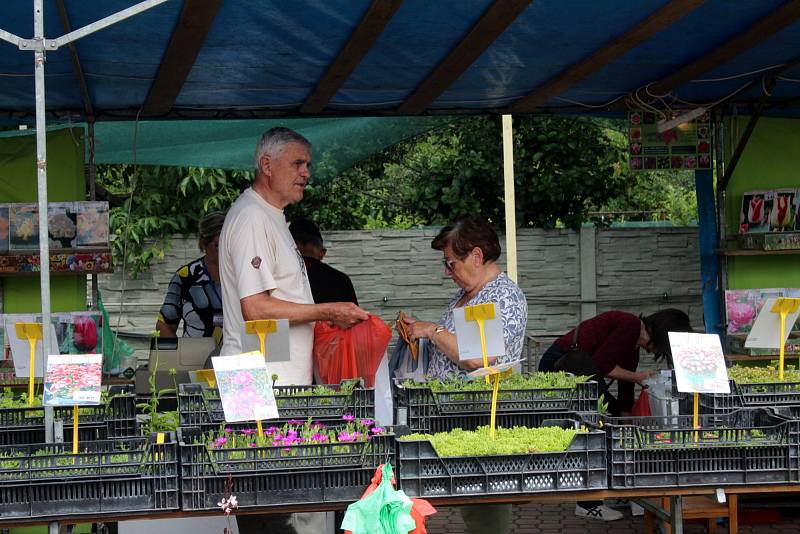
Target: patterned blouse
194, 297
514, 308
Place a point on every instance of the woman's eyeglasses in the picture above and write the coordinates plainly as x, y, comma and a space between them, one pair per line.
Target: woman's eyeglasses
448, 264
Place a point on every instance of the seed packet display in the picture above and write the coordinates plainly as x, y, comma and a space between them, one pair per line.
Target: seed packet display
78, 332
24, 223
781, 217
754, 215
4, 227
61, 224
92, 222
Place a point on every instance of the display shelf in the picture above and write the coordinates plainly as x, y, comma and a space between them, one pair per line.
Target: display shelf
752, 252
62, 262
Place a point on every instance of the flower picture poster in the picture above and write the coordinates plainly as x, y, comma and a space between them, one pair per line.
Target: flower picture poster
699, 363
245, 388
742, 306
73, 379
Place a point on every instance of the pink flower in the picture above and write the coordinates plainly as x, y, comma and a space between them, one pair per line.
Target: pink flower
349, 418
345, 436
221, 441
367, 422
294, 422
377, 430
248, 431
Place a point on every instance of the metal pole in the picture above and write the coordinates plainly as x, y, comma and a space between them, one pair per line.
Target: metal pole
92, 196
41, 174
510, 199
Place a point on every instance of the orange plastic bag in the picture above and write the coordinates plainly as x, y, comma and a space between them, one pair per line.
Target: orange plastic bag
641, 408
420, 508
355, 352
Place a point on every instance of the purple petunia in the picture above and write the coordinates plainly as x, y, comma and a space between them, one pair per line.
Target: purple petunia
228, 430
294, 422
377, 430
367, 422
248, 431
349, 418
220, 441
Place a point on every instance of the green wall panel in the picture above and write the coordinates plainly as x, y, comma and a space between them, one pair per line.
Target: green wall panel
770, 161
65, 182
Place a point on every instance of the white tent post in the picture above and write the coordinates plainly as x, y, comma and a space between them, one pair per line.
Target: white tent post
41, 174
510, 200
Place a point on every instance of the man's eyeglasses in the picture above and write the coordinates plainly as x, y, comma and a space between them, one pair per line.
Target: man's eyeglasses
448, 264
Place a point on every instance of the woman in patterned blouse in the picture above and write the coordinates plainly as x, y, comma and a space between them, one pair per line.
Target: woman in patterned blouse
193, 294
471, 248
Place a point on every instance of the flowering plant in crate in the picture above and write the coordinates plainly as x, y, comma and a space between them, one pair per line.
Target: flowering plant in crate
296, 444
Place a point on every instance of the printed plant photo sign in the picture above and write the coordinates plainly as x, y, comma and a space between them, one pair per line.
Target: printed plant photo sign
743, 305
699, 363
245, 387
73, 379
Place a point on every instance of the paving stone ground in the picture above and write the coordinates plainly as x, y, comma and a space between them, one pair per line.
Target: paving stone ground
560, 519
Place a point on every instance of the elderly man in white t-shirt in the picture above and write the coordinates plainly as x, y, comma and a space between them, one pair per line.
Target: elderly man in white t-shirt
263, 274
264, 277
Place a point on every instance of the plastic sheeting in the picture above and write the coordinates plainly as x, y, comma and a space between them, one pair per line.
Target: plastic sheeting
267, 57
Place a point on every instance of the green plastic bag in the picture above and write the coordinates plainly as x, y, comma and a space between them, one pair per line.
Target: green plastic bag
384, 511
114, 349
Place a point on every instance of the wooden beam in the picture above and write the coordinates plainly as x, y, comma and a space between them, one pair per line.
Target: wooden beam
642, 31
184, 46
769, 25
494, 22
372, 24
76, 63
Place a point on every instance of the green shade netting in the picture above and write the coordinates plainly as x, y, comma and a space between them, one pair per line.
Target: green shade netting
230, 144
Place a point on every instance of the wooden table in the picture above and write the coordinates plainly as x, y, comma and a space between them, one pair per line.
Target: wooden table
674, 515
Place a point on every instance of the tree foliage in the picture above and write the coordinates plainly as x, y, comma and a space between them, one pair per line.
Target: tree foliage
565, 170
161, 202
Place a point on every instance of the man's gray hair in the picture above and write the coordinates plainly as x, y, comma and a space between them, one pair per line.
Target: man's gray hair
273, 141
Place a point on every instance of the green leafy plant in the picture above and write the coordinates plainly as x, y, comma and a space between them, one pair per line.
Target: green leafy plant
155, 421
754, 375
516, 440
544, 380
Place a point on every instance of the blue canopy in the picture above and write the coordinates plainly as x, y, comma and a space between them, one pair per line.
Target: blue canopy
241, 59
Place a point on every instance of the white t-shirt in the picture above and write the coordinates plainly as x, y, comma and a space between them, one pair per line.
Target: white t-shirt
257, 254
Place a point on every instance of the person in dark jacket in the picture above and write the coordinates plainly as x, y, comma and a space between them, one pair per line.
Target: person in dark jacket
327, 284
613, 340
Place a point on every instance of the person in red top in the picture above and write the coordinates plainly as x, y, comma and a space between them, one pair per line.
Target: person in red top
613, 340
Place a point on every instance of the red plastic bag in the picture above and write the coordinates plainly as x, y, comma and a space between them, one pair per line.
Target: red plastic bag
356, 352
641, 407
420, 508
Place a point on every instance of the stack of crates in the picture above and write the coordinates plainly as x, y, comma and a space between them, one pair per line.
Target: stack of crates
115, 469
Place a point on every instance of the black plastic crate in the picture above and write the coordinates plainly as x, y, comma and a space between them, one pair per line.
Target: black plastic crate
109, 476
424, 411
264, 476
748, 446
422, 473
114, 419
750, 395
202, 407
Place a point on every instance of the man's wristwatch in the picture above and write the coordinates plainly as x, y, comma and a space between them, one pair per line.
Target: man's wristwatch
437, 330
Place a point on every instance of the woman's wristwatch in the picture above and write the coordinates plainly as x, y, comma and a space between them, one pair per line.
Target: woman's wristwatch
437, 330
